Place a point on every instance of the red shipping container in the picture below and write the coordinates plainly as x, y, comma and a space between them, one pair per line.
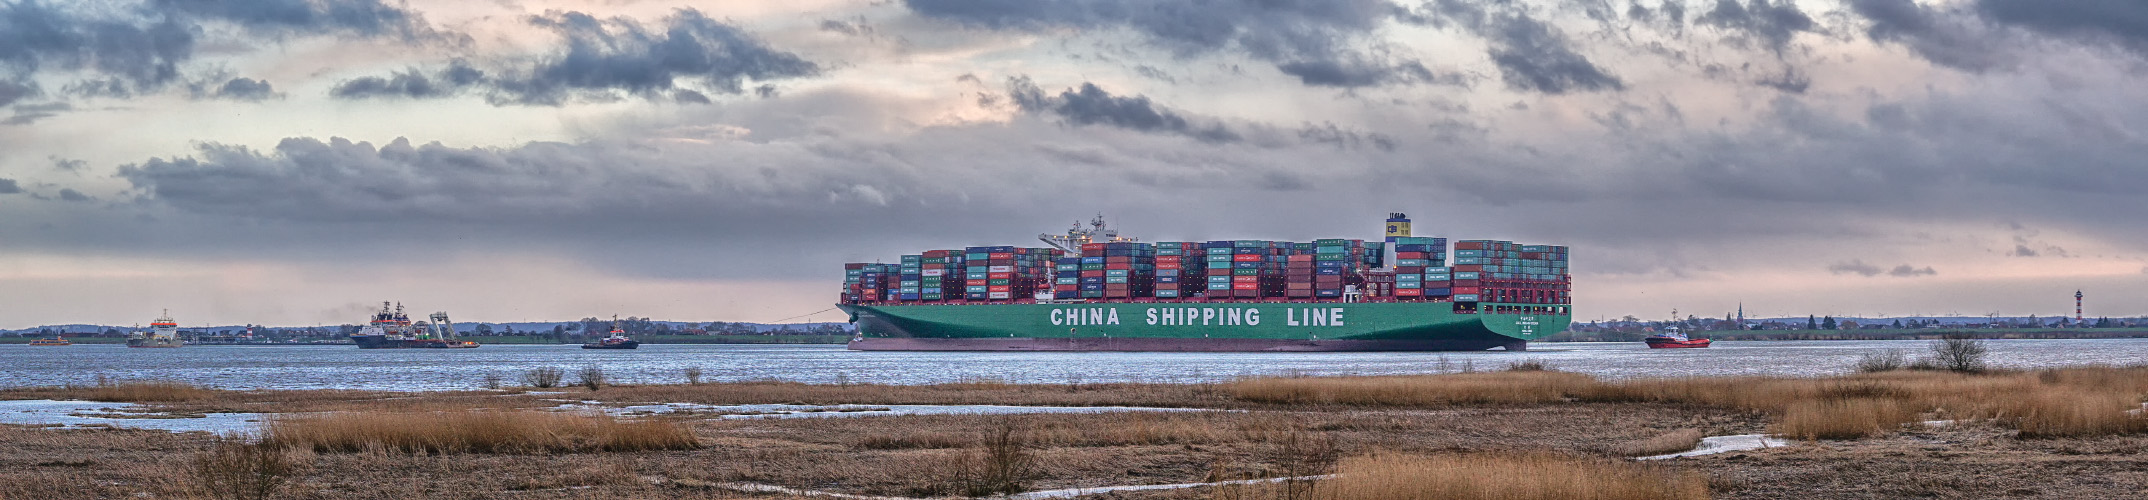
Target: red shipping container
1000, 276
1093, 273
1167, 259
1468, 290
1413, 255
1245, 279
1244, 286
1468, 282
1243, 257
1409, 292
1308, 259
999, 288
1173, 265
1092, 247
1000, 256
1219, 271
1469, 245
1409, 270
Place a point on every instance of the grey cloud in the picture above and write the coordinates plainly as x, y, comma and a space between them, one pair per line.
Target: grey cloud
245, 89
411, 84
1531, 55
1354, 72
2121, 22
605, 56
1330, 134
1858, 267
8, 186
1774, 22
362, 17
131, 50
67, 165
27, 113
69, 194
1309, 39
1907, 271
1946, 38
1092, 105
16, 91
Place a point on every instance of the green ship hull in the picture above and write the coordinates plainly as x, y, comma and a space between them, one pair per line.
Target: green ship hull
1207, 327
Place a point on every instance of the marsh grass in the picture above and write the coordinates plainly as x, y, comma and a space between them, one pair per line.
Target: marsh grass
475, 431
1664, 444
1511, 387
240, 471
1399, 476
150, 392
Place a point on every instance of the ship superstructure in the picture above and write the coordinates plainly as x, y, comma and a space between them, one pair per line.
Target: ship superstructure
164, 332
391, 328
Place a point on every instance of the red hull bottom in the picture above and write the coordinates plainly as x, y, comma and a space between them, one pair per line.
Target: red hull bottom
1173, 345
1687, 344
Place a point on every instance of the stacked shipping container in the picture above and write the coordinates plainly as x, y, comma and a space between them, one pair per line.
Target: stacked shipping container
1503, 272
1486, 271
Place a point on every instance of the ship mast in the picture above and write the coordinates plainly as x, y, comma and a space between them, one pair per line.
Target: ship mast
1076, 236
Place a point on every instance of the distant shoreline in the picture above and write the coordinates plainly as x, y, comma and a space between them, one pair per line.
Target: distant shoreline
1877, 334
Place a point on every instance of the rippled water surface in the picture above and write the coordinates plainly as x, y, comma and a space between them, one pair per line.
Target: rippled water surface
346, 367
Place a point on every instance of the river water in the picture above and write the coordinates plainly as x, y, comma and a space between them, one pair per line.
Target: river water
347, 367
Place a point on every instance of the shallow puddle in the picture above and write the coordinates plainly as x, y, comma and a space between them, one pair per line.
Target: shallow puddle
816, 411
76, 414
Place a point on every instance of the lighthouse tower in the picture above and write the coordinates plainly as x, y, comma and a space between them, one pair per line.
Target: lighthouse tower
2077, 309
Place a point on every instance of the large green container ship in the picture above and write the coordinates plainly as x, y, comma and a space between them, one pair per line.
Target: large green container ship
1204, 326
1095, 291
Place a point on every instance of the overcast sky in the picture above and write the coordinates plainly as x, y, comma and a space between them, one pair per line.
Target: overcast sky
289, 162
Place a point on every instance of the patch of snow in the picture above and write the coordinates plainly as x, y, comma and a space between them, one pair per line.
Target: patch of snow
1076, 492
1722, 444
74, 414
815, 411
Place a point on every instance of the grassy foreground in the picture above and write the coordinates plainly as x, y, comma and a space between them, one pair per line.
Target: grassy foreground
1523, 434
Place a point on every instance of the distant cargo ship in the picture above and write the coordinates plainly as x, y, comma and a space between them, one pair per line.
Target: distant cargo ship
392, 329
54, 341
1242, 295
164, 332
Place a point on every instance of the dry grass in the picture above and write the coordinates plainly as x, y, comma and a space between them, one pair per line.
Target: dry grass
1854, 418
155, 391
1512, 387
1397, 476
474, 432
970, 392
1667, 443
242, 471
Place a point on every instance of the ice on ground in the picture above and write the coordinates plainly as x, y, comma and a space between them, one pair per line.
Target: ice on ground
816, 411
1723, 444
73, 414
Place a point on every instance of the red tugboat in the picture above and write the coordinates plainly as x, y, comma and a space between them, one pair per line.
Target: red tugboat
1673, 339
618, 340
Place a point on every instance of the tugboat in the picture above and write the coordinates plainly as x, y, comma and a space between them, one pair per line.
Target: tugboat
54, 341
162, 333
392, 329
618, 340
1674, 339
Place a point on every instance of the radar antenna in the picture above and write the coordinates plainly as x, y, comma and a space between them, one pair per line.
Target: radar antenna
1098, 232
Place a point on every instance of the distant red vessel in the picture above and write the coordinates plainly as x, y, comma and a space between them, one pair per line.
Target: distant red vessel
1674, 339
